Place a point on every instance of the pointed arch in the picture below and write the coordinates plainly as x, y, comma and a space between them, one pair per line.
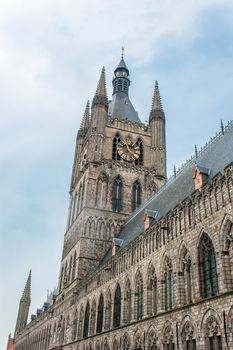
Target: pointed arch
117, 307
138, 310
168, 336
152, 339
115, 343
100, 228
226, 243
86, 320
138, 340
108, 309
140, 160
136, 195
115, 142
151, 291
185, 274
90, 227
167, 281
117, 189
188, 333
126, 341
105, 344
74, 325
74, 267
100, 314
207, 267
93, 317
212, 328
128, 302
102, 191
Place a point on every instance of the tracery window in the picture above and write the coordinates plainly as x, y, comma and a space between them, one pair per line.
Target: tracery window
168, 338
128, 301
213, 339
185, 277
108, 310
140, 160
152, 341
92, 318
168, 280
117, 307
139, 297
116, 140
138, 342
187, 336
102, 191
100, 314
117, 195
207, 268
86, 320
137, 195
151, 292
74, 267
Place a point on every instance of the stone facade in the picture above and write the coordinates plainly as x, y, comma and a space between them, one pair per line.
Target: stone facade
168, 287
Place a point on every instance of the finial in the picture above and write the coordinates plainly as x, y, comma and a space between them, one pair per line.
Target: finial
222, 127
122, 52
174, 171
196, 151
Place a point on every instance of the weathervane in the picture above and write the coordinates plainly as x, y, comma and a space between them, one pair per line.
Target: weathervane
122, 51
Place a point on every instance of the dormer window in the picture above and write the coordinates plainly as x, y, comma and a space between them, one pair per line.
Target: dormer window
200, 176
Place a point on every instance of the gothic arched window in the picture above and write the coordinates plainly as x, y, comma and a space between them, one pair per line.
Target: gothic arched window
117, 307
127, 305
152, 340
86, 320
137, 195
139, 297
213, 338
140, 160
116, 140
117, 195
207, 268
102, 191
151, 292
185, 276
100, 314
188, 336
126, 341
168, 337
168, 280
74, 267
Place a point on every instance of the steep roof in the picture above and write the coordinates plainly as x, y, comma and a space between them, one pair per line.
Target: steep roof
121, 108
215, 155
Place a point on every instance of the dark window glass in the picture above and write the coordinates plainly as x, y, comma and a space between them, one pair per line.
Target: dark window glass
100, 315
86, 320
207, 268
117, 307
116, 140
117, 195
139, 161
137, 194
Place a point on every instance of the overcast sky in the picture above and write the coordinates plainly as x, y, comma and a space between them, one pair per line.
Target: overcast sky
51, 55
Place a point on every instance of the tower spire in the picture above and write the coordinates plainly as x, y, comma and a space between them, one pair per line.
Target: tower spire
101, 92
24, 305
156, 102
86, 117
156, 107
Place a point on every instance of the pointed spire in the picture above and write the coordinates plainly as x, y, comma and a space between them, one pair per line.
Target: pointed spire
156, 102
26, 296
174, 171
24, 306
101, 92
86, 117
156, 108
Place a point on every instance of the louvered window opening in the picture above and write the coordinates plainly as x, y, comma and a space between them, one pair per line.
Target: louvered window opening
137, 196
115, 155
117, 195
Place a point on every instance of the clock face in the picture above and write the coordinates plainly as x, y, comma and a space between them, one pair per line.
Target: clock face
128, 151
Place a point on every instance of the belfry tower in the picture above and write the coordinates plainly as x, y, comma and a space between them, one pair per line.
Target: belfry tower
119, 162
24, 305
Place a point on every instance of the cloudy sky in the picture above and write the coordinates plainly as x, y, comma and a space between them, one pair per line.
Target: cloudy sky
51, 54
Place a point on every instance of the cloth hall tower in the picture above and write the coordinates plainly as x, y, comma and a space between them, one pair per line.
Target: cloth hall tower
119, 162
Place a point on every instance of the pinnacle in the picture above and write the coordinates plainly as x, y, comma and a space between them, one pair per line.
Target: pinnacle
100, 97
156, 102
101, 88
86, 117
27, 289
